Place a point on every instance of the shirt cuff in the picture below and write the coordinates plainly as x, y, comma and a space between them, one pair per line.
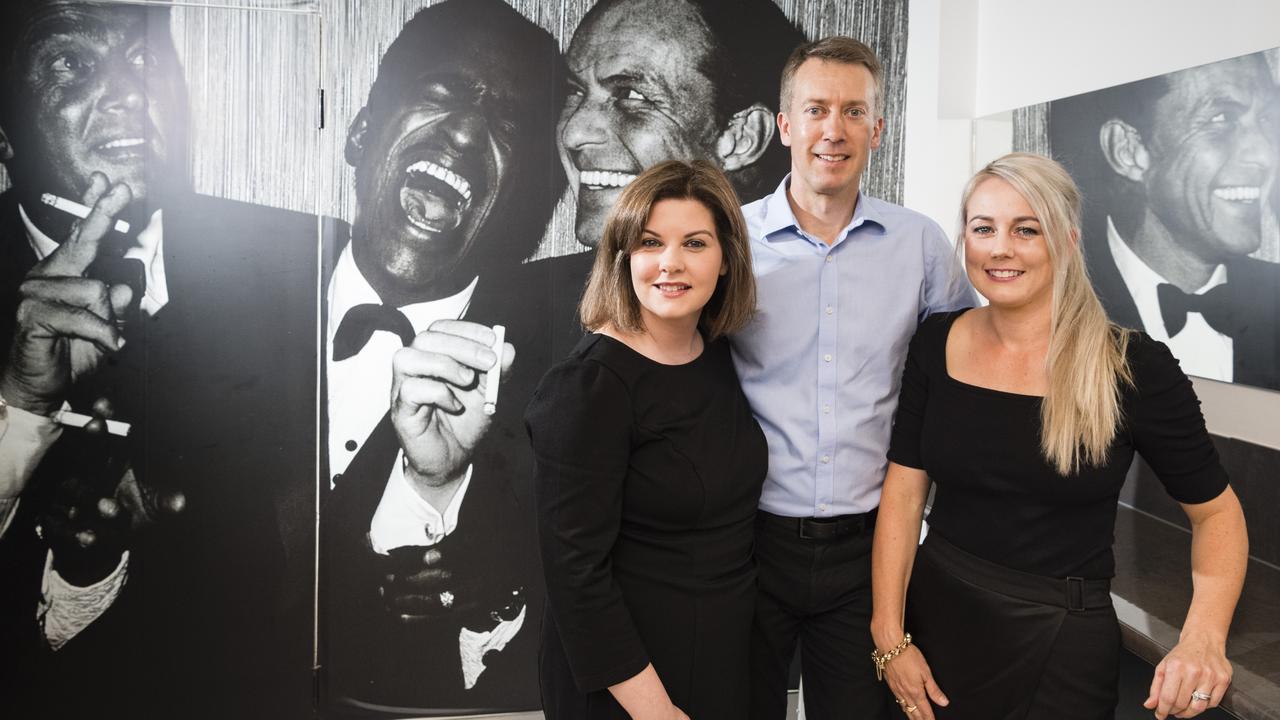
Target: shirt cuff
403, 518
65, 609
24, 439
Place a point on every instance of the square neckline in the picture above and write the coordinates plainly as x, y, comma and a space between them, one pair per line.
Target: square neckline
980, 389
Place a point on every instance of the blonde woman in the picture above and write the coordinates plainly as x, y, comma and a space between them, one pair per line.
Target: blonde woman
649, 466
1026, 414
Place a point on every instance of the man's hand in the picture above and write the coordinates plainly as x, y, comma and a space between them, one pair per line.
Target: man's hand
437, 398
96, 502
66, 323
420, 584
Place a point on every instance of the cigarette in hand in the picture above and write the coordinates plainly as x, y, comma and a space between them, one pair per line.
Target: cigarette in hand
495, 372
72, 207
75, 419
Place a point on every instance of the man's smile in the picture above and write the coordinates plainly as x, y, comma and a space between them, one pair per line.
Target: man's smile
434, 198
123, 149
601, 179
1238, 193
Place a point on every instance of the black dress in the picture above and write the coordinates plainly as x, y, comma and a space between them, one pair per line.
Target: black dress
1005, 528
646, 484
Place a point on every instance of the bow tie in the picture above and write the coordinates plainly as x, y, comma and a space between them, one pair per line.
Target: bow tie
1214, 306
359, 324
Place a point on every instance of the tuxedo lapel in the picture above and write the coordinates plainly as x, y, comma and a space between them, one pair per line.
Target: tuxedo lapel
1106, 279
1255, 303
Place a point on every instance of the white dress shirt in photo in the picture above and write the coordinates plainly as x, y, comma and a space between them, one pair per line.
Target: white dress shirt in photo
1201, 350
359, 390
360, 386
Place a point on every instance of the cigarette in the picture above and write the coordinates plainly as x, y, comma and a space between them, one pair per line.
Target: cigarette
74, 208
495, 372
75, 419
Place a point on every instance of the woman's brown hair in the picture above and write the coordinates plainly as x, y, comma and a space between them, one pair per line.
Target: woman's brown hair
610, 299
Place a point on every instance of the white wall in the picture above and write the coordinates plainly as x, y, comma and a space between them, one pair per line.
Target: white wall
968, 59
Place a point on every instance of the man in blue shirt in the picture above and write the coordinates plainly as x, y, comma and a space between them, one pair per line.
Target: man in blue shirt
844, 280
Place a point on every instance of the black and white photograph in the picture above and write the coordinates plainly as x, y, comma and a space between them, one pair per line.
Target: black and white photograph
481, 155
277, 281
157, 458
1179, 177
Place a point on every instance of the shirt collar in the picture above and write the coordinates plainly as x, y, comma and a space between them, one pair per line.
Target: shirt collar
1138, 276
42, 245
779, 216
148, 248
349, 288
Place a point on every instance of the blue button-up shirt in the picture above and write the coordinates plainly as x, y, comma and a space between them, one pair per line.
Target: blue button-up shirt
821, 362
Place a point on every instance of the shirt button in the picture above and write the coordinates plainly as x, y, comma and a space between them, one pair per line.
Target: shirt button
826, 459
350, 445
823, 508
826, 409
830, 259
830, 309
827, 357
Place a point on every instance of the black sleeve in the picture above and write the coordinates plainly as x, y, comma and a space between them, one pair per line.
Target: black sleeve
580, 423
908, 421
1167, 428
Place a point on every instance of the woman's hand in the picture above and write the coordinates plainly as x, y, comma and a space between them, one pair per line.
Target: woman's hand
912, 684
644, 698
1197, 664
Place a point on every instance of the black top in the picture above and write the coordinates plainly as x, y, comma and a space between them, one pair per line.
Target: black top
646, 484
997, 496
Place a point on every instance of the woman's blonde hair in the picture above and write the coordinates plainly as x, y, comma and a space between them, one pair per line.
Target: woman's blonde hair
611, 300
1086, 363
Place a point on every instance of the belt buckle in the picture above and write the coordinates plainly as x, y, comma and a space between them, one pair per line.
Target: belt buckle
803, 524
1075, 594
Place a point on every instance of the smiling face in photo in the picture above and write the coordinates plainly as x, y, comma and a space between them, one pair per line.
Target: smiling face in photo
100, 88
1212, 150
434, 151
677, 262
1005, 252
637, 97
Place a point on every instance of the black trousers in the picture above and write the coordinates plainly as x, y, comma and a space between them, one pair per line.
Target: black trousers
816, 592
1008, 645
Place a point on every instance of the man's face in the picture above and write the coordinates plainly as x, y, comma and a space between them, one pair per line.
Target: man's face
636, 98
434, 160
1211, 153
100, 92
830, 127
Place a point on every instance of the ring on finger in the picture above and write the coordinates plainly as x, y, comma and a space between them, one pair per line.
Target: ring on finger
900, 701
909, 708
1202, 696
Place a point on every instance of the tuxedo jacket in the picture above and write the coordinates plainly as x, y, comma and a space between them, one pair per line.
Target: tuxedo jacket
220, 387
372, 660
1254, 292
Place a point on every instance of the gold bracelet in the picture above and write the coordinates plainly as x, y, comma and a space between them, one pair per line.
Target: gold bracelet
880, 659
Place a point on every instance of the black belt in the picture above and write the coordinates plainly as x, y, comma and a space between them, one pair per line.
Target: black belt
1070, 593
826, 528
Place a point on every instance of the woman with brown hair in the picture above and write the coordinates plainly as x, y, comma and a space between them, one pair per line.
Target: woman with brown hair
649, 465
1026, 414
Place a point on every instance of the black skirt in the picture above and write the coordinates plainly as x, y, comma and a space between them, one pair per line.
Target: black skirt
1007, 645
